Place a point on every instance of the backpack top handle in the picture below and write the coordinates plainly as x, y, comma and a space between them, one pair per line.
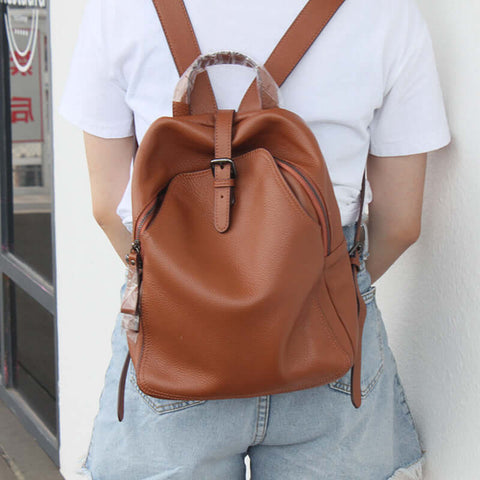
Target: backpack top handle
268, 92
290, 49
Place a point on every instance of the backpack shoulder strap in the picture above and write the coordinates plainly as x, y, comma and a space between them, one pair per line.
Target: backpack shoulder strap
295, 42
290, 49
184, 48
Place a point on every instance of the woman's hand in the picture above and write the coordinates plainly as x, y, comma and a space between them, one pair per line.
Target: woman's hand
109, 170
395, 213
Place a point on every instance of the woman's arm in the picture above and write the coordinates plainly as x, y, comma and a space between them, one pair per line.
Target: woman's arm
109, 169
395, 212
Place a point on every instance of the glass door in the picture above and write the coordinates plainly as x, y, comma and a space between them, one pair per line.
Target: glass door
27, 291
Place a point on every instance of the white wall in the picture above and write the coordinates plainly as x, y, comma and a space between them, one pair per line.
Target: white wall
429, 298
89, 271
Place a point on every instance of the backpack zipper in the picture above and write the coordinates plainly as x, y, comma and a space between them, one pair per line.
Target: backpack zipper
150, 208
314, 196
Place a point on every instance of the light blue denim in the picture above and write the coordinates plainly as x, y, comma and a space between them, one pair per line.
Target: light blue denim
310, 434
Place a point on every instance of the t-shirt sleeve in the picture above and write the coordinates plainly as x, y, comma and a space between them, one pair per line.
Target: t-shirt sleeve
94, 98
412, 117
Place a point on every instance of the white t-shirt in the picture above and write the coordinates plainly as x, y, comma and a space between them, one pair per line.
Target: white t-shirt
368, 83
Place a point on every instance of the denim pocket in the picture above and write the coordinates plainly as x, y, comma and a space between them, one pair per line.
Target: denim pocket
161, 405
372, 351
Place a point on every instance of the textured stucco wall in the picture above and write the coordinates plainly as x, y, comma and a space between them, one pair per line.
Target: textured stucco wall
430, 297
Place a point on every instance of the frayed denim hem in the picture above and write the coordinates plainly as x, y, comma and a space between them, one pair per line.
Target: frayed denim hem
83, 470
412, 472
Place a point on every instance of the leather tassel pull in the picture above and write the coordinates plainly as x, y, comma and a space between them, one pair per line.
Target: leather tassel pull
121, 388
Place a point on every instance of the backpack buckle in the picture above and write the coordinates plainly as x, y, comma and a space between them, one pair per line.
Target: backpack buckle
222, 161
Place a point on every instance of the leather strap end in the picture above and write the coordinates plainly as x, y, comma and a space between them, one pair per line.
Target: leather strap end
355, 261
222, 197
223, 181
356, 387
121, 388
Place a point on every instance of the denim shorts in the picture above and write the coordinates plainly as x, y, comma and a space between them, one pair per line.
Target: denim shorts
309, 434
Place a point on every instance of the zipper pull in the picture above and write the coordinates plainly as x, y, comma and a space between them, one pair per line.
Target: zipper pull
133, 258
136, 245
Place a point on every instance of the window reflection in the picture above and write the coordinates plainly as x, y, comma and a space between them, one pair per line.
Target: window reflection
28, 39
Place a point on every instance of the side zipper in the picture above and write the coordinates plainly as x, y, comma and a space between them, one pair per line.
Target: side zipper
134, 256
150, 208
142, 223
314, 196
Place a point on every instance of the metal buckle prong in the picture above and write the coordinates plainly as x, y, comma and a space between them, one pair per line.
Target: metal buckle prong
224, 160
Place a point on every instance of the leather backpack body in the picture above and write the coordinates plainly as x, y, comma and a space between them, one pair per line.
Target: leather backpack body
240, 282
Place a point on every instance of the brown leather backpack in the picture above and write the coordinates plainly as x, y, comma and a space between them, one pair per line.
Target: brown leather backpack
240, 283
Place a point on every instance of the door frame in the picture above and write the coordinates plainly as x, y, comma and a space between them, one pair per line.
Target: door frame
19, 272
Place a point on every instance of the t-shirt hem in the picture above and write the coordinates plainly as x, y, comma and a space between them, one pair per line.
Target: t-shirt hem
118, 130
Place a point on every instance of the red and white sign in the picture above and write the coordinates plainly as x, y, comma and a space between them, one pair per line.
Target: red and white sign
26, 102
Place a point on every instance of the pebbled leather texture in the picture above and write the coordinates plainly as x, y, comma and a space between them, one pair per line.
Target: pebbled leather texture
247, 312
216, 306
249, 298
